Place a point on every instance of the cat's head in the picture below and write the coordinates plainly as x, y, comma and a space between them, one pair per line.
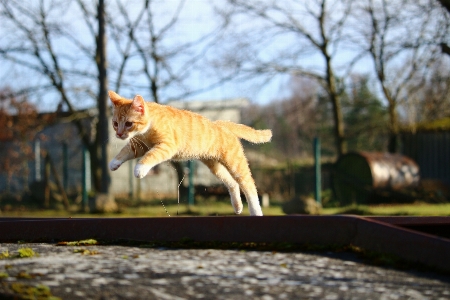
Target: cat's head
129, 116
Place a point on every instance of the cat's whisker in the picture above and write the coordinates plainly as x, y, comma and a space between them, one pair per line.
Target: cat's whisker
157, 194
165, 208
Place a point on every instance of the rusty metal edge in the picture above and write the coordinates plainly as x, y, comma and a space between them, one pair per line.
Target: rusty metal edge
227, 229
406, 243
411, 220
368, 233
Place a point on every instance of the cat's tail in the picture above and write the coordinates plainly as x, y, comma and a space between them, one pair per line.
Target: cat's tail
247, 133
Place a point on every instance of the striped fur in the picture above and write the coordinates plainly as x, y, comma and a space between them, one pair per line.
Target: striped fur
158, 133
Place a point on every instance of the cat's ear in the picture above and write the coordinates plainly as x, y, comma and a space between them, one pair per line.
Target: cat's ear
138, 104
115, 98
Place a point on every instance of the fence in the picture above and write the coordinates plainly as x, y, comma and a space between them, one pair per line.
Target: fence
431, 151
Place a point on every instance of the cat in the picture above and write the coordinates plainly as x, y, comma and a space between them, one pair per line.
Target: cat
158, 133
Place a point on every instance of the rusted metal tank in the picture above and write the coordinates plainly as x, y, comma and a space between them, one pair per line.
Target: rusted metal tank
359, 175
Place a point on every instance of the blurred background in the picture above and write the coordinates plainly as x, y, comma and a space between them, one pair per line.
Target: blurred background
357, 94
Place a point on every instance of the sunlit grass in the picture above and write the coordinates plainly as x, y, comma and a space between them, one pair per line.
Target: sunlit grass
224, 208
421, 209
204, 209
165, 208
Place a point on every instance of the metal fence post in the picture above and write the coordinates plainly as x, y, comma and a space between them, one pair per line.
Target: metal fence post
86, 178
37, 160
317, 168
65, 166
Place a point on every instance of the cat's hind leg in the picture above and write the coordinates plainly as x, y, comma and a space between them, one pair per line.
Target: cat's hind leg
233, 187
237, 165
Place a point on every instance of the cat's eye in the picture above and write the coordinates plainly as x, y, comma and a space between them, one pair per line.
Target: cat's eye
115, 124
128, 124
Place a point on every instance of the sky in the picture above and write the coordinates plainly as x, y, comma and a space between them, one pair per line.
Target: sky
197, 17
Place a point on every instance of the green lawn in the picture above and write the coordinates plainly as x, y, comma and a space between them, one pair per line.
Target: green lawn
393, 210
155, 209
224, 208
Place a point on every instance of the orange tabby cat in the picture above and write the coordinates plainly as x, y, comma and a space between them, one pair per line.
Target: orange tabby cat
159, 133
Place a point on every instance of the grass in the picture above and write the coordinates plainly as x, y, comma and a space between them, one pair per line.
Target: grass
202, 209
418, 209
223, 208
156, 209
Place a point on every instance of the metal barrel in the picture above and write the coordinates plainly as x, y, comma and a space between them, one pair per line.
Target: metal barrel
357, 175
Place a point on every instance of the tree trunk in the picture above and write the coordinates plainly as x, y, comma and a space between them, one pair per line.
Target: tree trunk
393, 122
393, 128
95, 167
103, 110
341, 146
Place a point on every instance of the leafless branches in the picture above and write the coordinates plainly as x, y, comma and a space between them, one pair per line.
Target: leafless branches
314, 29
401, 39
145, 41
34, 44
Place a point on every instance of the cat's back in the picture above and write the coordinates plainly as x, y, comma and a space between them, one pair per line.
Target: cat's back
177, 117
192, 132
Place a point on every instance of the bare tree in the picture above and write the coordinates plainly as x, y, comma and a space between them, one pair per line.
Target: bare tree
401, 38
64, 73
102, 99
157, 56
445, 44
305, 113
294, 120
429, 96
316, 29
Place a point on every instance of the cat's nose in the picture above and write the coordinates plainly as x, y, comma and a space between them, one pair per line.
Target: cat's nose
119, 134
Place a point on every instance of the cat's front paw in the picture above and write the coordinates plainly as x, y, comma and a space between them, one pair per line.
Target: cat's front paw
115, 164
141, 170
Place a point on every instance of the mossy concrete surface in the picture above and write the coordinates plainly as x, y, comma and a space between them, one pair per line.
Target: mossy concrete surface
147, 271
